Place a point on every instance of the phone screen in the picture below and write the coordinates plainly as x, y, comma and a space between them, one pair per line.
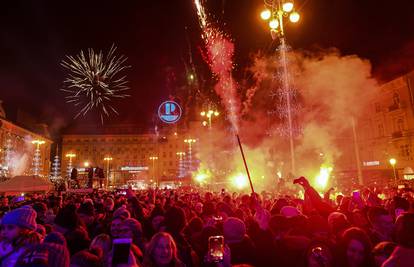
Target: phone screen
121, 249
216, 248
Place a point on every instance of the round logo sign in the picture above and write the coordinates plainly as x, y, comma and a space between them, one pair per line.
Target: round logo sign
169, 112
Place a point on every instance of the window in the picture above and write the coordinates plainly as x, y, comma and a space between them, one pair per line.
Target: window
405, 151
377, 107
396, 99
380, 129
400, 124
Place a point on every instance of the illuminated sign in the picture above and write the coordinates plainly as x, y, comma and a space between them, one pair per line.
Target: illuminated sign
371, 163
134, 168
169, 112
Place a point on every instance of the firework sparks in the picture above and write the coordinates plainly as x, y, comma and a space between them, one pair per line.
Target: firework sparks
219, 56
94, 81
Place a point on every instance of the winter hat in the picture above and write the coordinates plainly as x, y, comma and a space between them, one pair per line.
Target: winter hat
234, 230
87, 209
289, 211
122, 212
24, 217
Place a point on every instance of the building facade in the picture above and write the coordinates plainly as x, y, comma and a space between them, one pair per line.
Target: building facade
387, 131
146, 157
17, 151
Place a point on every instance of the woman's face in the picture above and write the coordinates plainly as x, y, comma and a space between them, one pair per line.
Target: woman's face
163, 253
355, 253
10, 232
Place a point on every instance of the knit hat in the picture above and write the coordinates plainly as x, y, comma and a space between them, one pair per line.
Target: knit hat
234, 230
121, 212
24, 217
289, 211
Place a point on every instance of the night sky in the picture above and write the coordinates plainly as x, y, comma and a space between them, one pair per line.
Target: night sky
157, 35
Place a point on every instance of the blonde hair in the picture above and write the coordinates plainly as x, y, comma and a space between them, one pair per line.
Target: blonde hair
149, 260
103, 242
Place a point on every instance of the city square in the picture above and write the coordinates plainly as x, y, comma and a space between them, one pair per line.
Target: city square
206, 133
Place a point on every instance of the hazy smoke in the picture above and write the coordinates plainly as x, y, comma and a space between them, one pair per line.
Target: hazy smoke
331, 89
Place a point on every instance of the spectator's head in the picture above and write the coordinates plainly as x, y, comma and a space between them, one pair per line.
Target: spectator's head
56, 238
103, 242
67, 217
121, 212
135, 229
77, 240
404, 227
161, 251
40, 209
382, 251
174, 220
380, 220
86, 213
234, 230
118, 227
355, 247
86, 258
319, 254
109, 204
337, 222
17, 222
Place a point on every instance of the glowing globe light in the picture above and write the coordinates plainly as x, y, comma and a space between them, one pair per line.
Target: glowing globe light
294, 17
240, 181
287, 7
393, 161
265, 15
273, 24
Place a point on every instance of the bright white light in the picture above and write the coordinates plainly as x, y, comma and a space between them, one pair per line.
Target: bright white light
273, 24
240, 181
287, 7
265, 15
294, 17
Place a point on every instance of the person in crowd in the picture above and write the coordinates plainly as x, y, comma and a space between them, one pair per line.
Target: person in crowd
382, 251
19, 244
403, 254
162, 251
354, 249
382, 225
103, 242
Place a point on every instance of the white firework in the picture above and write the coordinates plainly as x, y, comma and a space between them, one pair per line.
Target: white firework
94, 80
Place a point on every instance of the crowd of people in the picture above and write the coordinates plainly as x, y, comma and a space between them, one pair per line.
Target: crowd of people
163, 228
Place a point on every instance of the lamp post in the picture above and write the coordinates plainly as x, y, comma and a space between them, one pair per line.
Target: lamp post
180, 164
393, 162
108, 160
154, 158
190, 142
69, 168
276, 11
37, 156
209, 114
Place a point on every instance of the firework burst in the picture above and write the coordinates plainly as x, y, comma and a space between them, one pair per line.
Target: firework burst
94, 80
